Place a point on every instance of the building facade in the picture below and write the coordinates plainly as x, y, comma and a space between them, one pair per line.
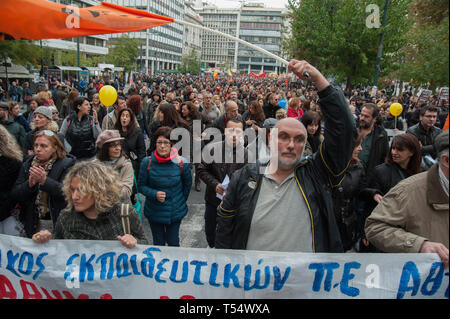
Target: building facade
218, 51
192, 37
251, 22
160, 47
261, 27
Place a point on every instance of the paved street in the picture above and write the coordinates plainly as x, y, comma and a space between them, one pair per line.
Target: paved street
192, 232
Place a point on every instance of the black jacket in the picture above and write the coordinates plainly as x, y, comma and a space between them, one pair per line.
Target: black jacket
26, 196
214, 173
313, 178
378, 150
80, 136
426, 138
9, 170
134, 143
221, 122
385, 176
344, 196
389, 123
270, 110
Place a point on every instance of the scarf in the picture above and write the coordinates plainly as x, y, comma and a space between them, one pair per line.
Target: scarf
444, 180
41, 201
173, 154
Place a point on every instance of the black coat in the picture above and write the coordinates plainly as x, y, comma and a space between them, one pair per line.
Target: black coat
26, 196
9, 171
214, 173
134, 147
270, 110
345, 195
385, 176
426, 138
378, 150
313, 178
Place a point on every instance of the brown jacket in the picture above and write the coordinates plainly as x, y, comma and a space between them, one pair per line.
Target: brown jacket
413, 211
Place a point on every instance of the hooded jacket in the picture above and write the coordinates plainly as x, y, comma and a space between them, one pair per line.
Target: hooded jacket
16, 130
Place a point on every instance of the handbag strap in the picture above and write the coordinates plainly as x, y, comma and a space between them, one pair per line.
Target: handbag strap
125, 216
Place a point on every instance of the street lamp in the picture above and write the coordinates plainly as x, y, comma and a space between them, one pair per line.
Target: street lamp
380, 47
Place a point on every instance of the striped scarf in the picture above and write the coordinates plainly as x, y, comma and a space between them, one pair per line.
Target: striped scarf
41, 201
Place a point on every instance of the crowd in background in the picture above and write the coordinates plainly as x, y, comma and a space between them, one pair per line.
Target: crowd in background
65, 124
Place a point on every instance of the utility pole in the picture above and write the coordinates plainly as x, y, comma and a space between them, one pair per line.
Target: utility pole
380, 47
78, 51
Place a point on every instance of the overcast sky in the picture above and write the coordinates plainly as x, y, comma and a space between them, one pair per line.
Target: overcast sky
235, 4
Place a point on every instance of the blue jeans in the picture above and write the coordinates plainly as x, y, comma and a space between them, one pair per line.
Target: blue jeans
165, 233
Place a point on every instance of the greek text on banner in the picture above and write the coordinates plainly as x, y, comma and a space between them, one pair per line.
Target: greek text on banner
106, 269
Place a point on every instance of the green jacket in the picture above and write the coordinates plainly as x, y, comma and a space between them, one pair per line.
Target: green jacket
16, 130
107, 226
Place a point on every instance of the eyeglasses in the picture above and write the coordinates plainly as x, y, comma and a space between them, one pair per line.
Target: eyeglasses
116, 144
164, 143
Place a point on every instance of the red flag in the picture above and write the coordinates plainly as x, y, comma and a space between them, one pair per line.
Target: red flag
39, 19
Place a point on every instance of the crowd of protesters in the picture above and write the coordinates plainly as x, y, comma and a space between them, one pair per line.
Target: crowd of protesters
343, 163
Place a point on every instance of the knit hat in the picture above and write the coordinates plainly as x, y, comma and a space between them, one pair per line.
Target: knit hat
441, 142
4, 106
108, 136
44, 110
269, 123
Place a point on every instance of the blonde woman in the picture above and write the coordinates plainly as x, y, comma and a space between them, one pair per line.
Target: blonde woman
218, 103
10, 163
46, 98
93, 211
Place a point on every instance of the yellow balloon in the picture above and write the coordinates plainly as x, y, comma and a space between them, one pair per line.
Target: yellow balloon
396, 109
107, 95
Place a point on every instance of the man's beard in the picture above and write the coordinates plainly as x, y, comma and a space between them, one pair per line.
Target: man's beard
289, 164
364, 125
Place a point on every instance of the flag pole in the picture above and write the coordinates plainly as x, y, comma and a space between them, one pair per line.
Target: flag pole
263, 51
254, 47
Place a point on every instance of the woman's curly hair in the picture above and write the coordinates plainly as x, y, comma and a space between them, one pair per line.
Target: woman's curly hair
95, 179
8, 145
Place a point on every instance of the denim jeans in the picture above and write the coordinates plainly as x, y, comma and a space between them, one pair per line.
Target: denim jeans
166, 233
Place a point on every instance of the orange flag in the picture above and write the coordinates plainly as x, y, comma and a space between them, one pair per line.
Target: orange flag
40, 19
445, 125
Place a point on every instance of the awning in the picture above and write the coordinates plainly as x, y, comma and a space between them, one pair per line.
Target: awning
15, 71
167, 71
118, 69
92, 68
68, 68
